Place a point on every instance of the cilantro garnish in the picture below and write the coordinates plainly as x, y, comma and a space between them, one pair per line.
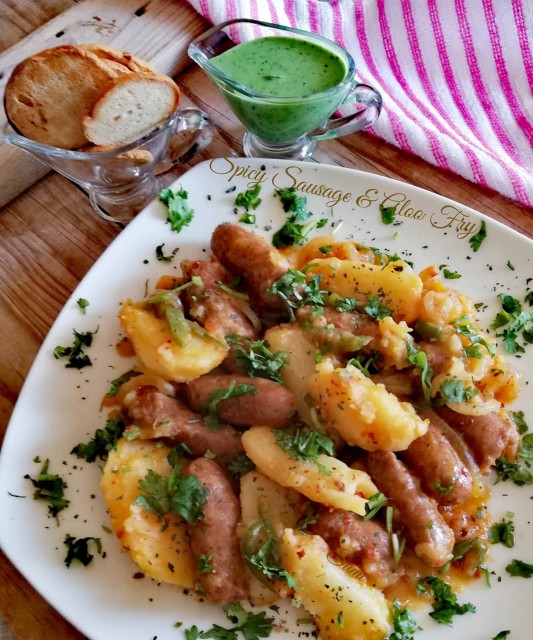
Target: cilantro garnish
102, 442
465, 327
184, 496
403, 623
266, 560
77, 359
419, 359
50, 488
303, 443
445, 604
160, 255
448, 273
218, 395
367, 364
373, 505
519, 569
526, 447
292, 287
249, 199
204, 564
78, 549
240, 465
293, 231
248, 218
251, 626
375, 309
502, 533
477, 239
82, 304
502, 635
257, 360
515, 471
453, 390
387, 214
518, 419
516, 322
342, 303
179, 213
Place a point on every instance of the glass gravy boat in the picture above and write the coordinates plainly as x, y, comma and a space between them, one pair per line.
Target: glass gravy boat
122, 181
284, 126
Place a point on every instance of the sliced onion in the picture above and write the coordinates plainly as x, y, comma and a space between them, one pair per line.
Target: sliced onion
473, 408
400, 384
249, 313
144, 380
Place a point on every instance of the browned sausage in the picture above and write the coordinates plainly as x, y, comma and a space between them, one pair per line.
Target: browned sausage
272, 406
432, 538
214, 537
364, 542
438, 356
487, 436
160, 416
218, 311
249, 255
442, 474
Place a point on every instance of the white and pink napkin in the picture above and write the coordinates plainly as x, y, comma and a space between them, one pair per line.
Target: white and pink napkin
456, 76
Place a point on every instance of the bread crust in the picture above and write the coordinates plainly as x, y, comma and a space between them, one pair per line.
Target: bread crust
131, 62
48, 93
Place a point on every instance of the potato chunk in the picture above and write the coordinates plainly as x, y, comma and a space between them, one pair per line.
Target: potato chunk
162, 553
300, 365
395, 284
160, 354
365, 414
343, 607
330, 482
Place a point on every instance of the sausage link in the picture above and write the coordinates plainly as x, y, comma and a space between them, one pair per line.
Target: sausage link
487, 436
272, 406
250, 256
160, 416
219, 312
363, 542
432, 538
215, 536
442, 474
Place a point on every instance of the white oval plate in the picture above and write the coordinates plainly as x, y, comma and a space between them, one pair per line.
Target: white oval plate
59, 407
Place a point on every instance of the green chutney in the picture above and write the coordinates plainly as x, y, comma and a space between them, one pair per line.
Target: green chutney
287, 74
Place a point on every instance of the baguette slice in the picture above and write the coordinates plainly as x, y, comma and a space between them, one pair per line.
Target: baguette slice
104, 52
130, 106
48, 94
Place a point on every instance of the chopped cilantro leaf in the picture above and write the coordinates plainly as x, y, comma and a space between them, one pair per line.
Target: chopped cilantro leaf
518, 419
218, 395
514, 471
298, 225
102, 442
519, 569
387, 214
515, 322
82, 304
249, 199
50, 488
453, 390
265, 561
526, 447
292, 287
477, 239
419, 359
160, 255
445, 604
204, 564
502, 533
116, 383
240, 465
77, 359
403, 623
502, 635
375, 309
78, 549
303, 443
448, 273
291, 201
248, 218
257, 360
251, 626
179, 213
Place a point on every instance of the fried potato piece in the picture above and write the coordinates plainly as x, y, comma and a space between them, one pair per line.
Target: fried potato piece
365, 414
395, 284
327, 481
160, 354
343, 607
161, 552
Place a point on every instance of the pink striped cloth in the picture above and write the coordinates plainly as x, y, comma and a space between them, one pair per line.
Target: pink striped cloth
456, 76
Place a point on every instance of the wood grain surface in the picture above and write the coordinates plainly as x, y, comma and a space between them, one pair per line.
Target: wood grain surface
50, 237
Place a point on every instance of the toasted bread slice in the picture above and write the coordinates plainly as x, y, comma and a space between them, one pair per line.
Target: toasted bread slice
130, 107
48, 94
131, 62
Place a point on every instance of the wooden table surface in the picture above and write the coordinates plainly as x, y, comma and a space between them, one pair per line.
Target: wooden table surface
50, 237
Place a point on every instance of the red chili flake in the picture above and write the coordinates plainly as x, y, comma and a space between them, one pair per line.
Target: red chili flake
300, 553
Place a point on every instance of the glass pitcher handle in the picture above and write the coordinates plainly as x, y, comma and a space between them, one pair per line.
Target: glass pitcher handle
192, 132
361, 94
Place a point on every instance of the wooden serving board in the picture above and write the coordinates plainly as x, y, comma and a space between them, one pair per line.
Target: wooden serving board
158, 31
